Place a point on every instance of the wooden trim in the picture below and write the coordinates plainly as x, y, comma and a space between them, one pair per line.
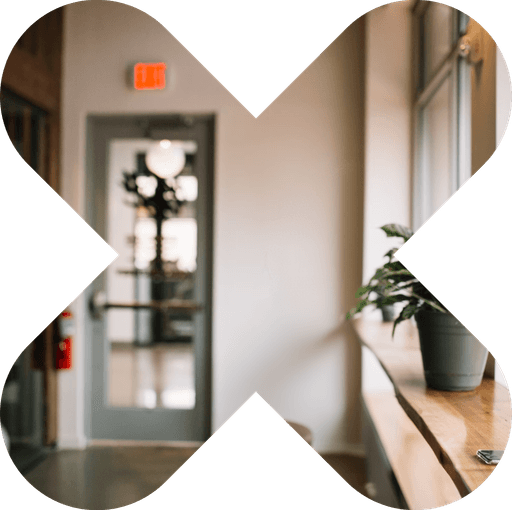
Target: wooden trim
418, 7
42, 358
27, 77
11, 127
27, 135
33, 72
53, 154
50, 336
33, 69
483, 100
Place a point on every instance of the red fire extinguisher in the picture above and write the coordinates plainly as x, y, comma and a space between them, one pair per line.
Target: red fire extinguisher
63, 350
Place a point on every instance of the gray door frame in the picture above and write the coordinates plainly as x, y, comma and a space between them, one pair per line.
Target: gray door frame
102, 421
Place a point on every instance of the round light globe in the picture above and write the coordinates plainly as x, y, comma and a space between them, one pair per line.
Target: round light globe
165, 159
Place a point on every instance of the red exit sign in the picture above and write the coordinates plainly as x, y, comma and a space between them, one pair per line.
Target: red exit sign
149, 76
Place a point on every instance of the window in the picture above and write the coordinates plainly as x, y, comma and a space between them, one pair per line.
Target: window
442, 108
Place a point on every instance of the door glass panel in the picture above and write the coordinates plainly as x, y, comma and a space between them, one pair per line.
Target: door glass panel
437, 147
438, 40
150, 289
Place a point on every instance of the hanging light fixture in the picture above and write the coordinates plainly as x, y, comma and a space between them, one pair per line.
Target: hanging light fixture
146, 185
187, 188
165, 159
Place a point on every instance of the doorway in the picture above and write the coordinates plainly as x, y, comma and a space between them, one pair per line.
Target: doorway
149, 323
30, 102
28, 400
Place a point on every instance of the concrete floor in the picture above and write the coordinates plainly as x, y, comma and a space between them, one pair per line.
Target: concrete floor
102, 477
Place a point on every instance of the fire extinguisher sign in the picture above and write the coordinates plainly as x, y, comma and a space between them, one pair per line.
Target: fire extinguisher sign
66, 332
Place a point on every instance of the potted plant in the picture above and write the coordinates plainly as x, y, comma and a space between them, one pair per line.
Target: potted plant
453, 359
382, 291
388, 311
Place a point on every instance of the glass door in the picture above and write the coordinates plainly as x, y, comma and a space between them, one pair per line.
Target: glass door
150, 321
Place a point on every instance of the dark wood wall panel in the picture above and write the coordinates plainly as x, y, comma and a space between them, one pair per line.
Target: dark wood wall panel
33, 73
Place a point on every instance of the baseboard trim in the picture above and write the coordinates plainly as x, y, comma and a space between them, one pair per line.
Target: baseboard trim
149, 443
356, 450
71, 443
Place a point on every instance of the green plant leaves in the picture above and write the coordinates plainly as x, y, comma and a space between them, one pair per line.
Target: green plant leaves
394, 283
407, 312
394, 230
391, 253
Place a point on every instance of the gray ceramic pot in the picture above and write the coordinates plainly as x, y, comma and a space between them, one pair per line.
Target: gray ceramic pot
453, 359
388, 313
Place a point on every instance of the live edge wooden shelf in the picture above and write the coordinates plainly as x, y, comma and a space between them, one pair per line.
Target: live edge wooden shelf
454, 424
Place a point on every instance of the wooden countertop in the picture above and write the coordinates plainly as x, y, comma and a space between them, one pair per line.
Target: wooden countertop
454, 424
423, 481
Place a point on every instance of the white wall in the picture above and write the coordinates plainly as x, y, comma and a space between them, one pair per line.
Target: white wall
388, 128
288, 208
503, 96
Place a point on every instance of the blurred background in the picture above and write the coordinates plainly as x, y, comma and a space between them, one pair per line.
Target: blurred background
241, 241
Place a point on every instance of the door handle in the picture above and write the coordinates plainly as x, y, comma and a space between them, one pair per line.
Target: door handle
98, 304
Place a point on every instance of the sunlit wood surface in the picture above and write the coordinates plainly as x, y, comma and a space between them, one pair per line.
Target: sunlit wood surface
423, 481
454, 424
